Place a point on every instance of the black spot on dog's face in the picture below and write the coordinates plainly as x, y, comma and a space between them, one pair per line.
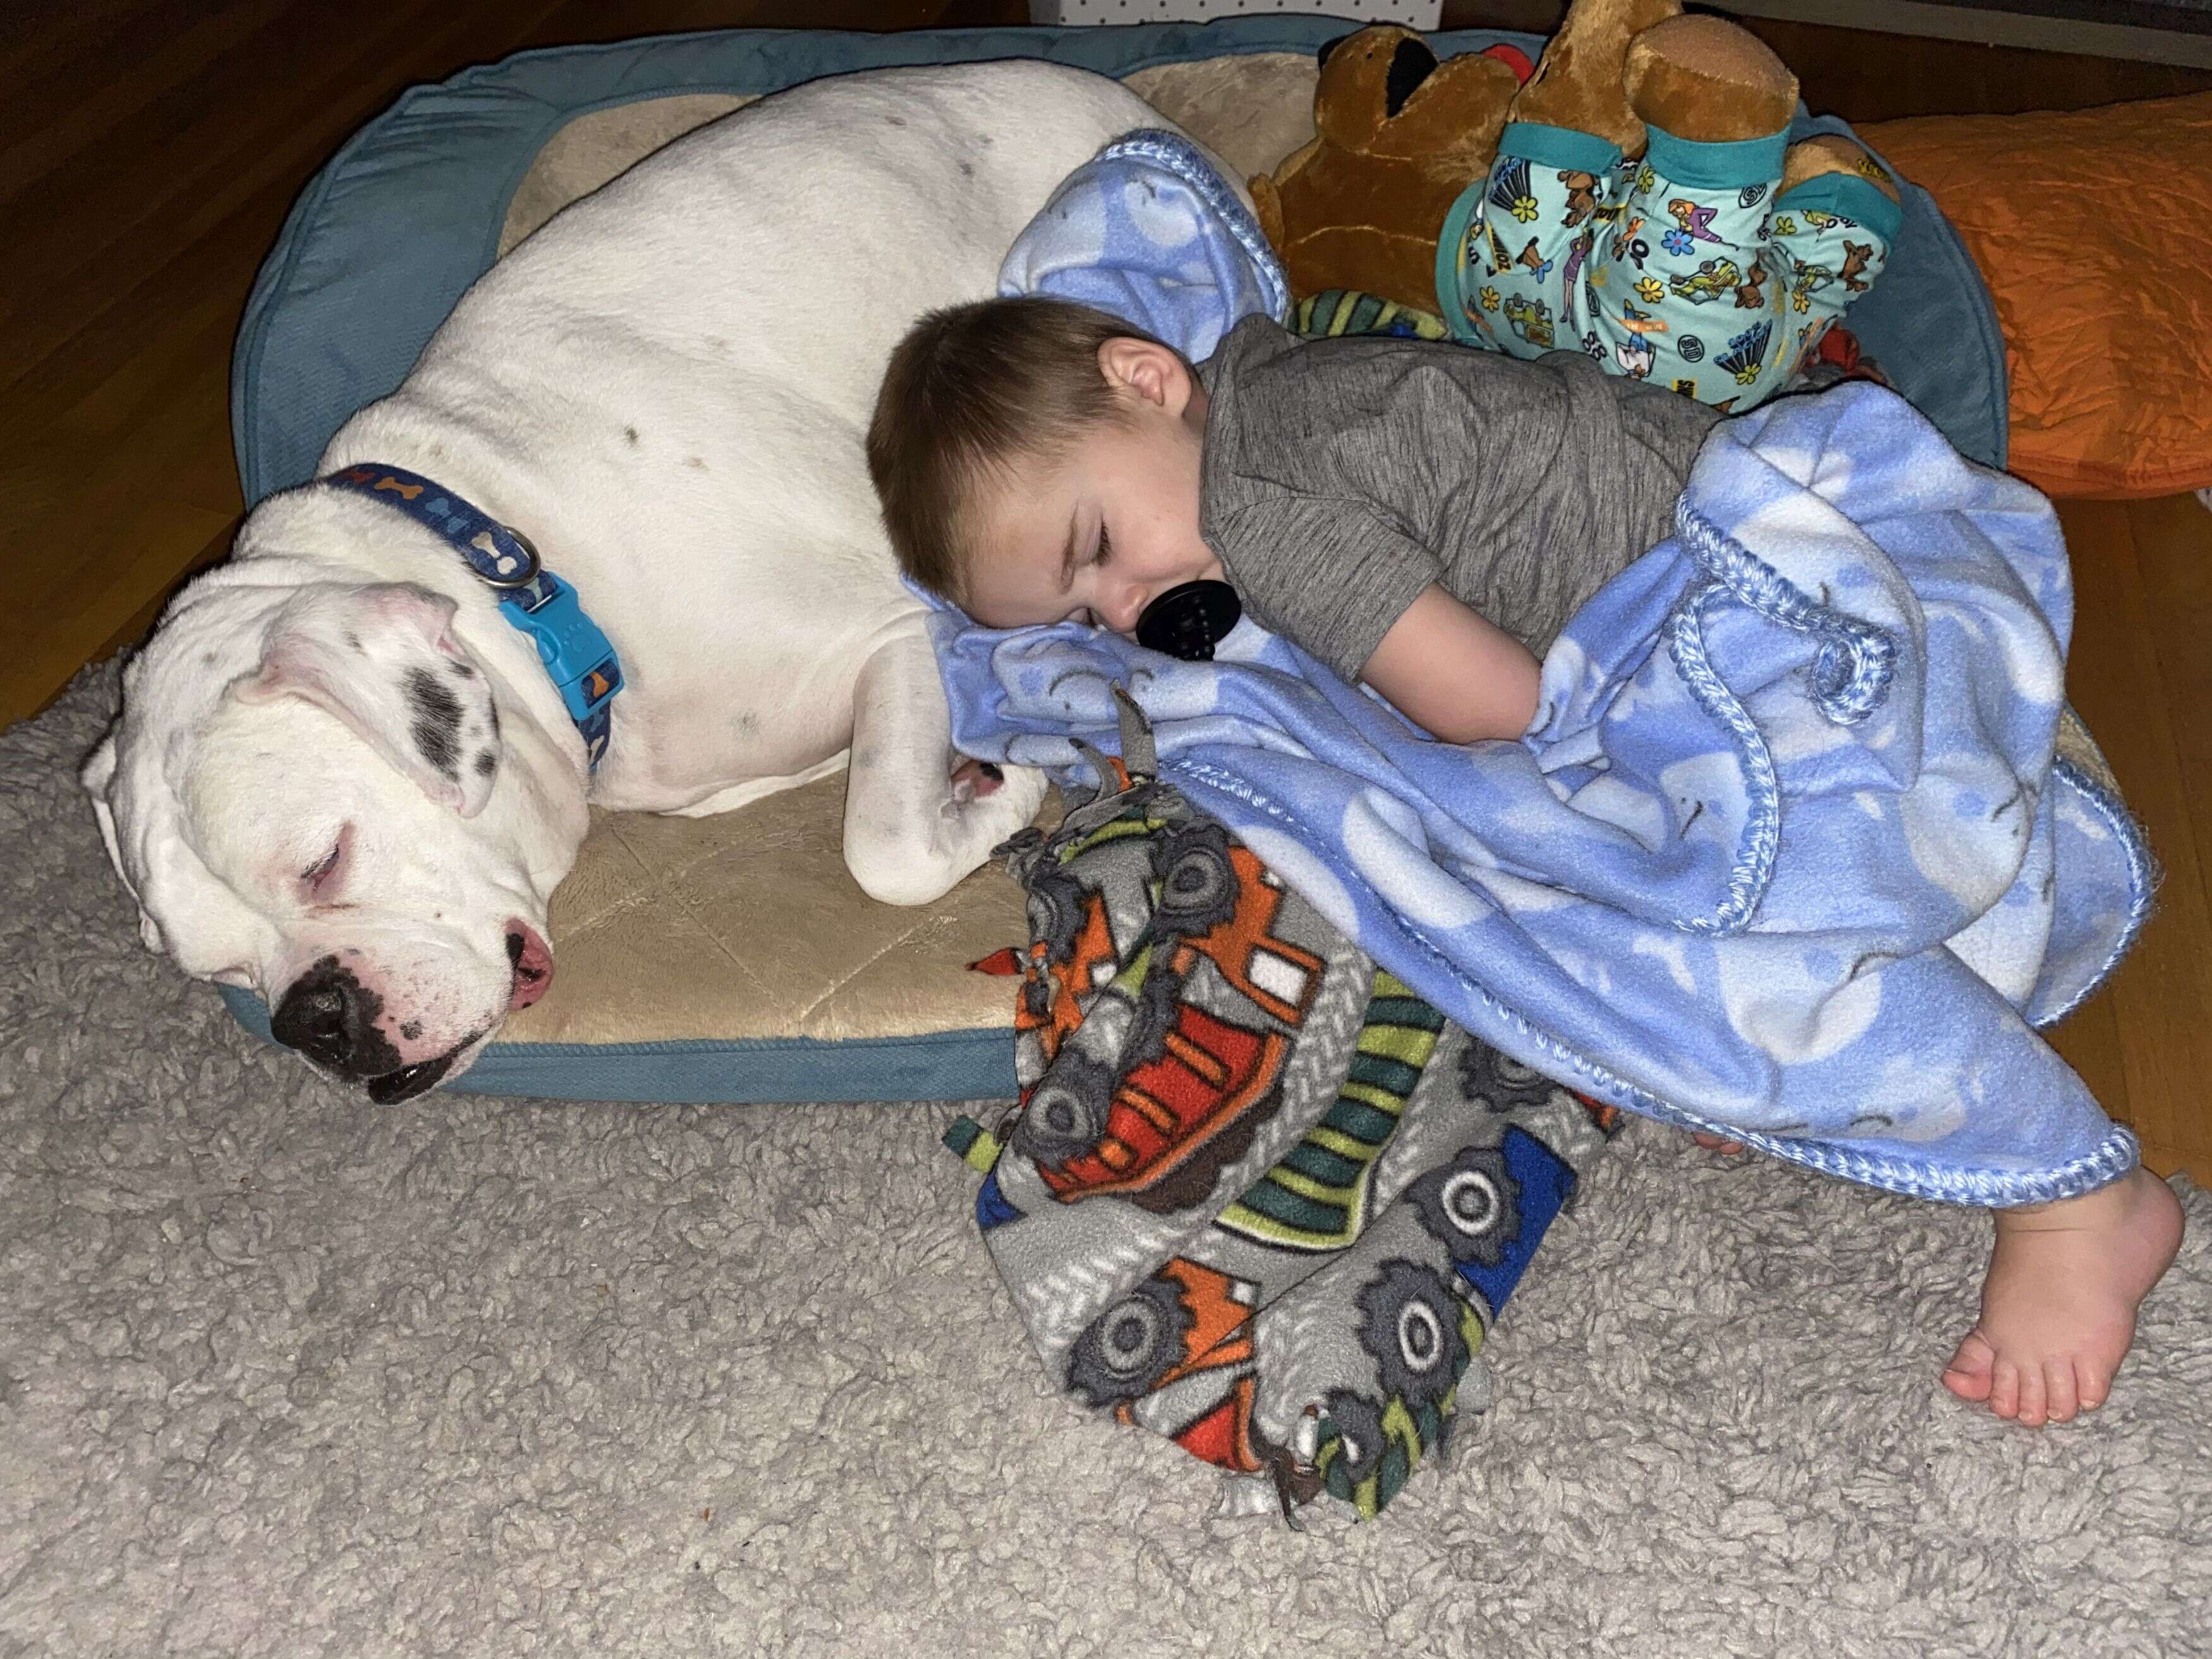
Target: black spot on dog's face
967, 169
352, 642
487, 763
630, 433
461, 670
437, 725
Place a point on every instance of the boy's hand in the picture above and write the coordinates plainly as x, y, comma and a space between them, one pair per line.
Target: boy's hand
1454, 670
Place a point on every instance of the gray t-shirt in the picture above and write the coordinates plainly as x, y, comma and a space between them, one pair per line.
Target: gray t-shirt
1342, 477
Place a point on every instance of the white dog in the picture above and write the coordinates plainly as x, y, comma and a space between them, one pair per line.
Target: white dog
342, 779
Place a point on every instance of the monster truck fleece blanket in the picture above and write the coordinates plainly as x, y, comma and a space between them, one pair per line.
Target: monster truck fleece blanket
1787, 852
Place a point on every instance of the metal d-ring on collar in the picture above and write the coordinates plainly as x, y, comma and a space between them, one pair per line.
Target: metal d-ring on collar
577, 656
530, 572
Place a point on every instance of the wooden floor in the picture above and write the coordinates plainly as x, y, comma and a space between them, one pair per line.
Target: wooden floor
148, 150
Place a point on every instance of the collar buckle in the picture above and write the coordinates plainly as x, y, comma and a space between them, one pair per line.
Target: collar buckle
577, 655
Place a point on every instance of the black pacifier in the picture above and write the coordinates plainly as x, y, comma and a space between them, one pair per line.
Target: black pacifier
1189, 620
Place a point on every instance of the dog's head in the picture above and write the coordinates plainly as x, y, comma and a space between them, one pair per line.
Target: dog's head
311, 793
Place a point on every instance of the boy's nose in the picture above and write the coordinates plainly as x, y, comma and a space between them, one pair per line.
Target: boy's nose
1121, 611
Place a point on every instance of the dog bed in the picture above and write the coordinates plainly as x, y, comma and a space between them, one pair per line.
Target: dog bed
731, 958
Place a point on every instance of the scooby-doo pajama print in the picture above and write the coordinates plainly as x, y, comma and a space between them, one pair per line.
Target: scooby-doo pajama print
1684, 268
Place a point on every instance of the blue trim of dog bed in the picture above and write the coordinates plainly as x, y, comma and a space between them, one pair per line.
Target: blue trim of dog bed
387, 237
971, 1065
1948, 362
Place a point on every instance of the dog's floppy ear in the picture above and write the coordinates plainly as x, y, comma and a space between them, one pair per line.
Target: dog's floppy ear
97, 773
383, 659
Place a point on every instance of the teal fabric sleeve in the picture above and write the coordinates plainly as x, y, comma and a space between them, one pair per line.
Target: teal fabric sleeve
1854, 198
1706, 164
1558, 147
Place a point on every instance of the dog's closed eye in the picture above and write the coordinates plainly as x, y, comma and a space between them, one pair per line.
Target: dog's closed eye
321, 877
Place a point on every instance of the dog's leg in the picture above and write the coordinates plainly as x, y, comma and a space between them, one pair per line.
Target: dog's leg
908, 837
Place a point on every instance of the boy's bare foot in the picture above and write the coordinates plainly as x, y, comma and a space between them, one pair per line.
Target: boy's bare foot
1720, 1144
2058, 1305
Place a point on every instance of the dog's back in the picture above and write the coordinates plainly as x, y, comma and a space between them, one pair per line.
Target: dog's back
669, 385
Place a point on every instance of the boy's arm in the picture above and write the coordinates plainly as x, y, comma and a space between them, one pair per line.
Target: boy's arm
1456, 672
1348, 583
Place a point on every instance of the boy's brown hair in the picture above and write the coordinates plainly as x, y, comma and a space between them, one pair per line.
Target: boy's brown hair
970, 392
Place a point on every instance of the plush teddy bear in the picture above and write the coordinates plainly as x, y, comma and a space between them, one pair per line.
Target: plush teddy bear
1397, 138
1635, 198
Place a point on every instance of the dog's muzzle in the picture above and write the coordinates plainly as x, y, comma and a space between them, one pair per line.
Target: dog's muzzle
329, 1016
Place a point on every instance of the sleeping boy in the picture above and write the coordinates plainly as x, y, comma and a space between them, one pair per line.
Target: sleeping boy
1421, 518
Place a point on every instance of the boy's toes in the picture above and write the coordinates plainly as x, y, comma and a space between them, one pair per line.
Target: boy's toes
2032, 1410
2061, 1398
2004, 1387
1968, 1374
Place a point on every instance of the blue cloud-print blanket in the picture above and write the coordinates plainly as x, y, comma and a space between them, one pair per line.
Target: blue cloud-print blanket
1786, 852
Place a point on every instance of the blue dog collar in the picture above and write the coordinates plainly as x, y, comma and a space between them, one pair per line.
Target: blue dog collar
580, 657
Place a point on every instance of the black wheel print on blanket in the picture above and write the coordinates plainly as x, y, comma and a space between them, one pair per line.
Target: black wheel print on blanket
1421, 1335
1126, 1351
1472, 1205
1500, 1081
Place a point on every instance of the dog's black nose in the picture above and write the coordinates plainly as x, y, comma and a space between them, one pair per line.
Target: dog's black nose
328, 1016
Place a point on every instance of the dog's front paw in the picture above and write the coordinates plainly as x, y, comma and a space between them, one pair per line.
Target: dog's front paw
972, 780
987, 803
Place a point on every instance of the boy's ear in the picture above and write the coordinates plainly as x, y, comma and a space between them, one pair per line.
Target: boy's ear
1151, 370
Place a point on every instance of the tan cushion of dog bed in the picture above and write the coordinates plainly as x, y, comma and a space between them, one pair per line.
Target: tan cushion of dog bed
748, 925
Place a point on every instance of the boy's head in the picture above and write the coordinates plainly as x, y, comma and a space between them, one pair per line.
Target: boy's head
1038, 459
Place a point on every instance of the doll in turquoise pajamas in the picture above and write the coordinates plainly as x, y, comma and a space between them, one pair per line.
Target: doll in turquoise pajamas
1690, 268
1710, 265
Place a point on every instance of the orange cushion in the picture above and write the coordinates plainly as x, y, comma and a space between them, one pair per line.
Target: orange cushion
2091, 229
